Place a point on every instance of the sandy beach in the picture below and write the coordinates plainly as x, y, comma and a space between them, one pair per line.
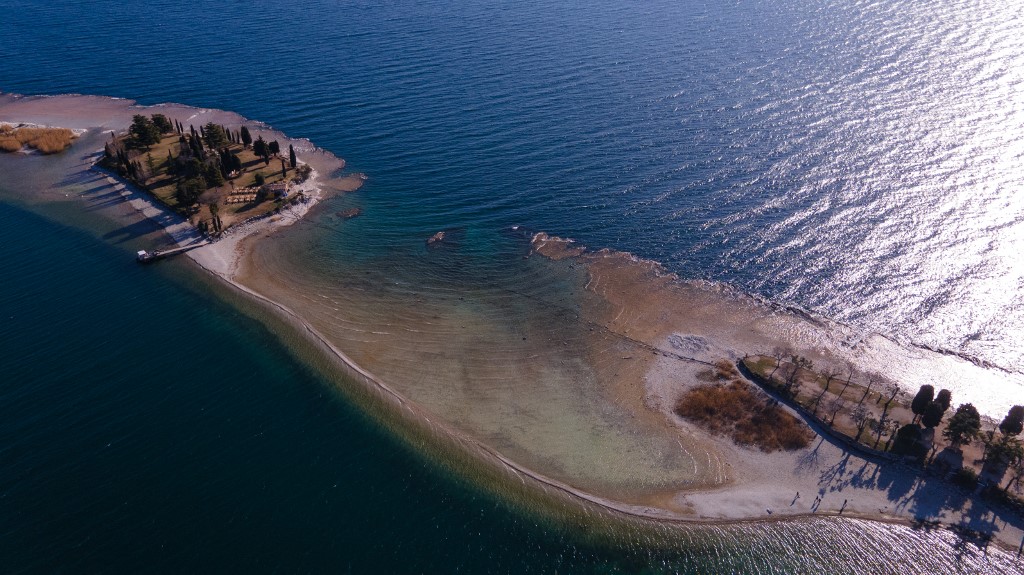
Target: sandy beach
664, 331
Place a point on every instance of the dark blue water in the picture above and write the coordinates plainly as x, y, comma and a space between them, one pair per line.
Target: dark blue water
859, 159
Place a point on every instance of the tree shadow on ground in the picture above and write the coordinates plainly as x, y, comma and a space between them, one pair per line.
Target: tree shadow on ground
105, 200
131, 231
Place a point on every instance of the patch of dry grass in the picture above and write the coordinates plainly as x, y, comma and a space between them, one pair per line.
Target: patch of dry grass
737, 410
46, 140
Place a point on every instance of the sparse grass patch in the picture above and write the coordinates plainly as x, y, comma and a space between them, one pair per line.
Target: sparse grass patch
737, 410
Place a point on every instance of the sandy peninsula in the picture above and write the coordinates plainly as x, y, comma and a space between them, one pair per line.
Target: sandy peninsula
642, 336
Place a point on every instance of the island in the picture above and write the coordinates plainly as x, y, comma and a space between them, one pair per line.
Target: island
581, 380
215, 176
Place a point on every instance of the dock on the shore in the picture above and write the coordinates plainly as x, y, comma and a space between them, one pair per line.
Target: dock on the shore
145, 257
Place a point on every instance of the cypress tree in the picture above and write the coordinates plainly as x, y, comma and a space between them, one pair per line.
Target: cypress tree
1013, 423
924, 396
246, 137
291, 155
933, 414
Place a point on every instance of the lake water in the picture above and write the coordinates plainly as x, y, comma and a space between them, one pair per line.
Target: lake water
856, 159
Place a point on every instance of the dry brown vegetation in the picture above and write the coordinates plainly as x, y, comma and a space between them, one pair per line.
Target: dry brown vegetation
732, 407
46, 140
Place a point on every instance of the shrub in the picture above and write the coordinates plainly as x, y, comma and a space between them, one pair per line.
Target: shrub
46, 140
737, 410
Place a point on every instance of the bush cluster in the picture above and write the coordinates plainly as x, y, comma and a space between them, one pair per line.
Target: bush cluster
748, 417
46, 140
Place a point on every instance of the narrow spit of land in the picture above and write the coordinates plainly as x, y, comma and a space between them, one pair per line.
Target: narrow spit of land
628, 300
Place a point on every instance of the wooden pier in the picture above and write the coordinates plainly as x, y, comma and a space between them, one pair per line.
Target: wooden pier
145, 257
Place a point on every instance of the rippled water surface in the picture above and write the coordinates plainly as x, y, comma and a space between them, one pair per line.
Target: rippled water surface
858, 159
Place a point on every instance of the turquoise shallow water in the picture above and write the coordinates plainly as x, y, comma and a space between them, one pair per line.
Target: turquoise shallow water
849, 157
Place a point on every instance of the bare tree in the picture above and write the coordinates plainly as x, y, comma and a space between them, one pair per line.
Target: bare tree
849, 380
894, 426
1018, 472
872, 380
830, 374
860, 415
778, 353
879, 427
893, 389
834, 406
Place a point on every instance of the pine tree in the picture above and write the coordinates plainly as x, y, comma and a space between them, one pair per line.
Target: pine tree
162, 123
214, 136
212, 175
144, 133
963, 426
